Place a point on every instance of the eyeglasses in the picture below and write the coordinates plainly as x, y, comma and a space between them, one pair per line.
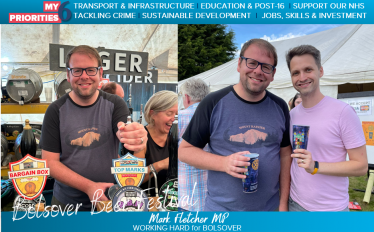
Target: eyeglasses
77, 72
252, 64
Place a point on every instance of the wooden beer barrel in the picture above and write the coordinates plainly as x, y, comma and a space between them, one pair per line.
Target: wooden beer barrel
4, 146
61, 85
26, 83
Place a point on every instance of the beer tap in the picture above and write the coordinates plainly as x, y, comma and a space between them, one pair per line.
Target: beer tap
28, 142
152, 171
128, 120
22, 102
141, 114
173, 150
129, 100
124, 151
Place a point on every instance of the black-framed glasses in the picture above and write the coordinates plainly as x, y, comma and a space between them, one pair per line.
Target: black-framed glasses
252, 64
90, 71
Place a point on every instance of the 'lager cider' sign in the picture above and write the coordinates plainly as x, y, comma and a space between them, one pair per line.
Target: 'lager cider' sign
128, 64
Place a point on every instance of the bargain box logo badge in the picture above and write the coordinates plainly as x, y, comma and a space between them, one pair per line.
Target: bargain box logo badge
47, 17
29, 176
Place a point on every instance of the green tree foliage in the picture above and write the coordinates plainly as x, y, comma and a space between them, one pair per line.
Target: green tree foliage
202, 47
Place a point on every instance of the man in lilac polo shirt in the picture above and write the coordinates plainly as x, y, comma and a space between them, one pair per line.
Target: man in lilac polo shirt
319, 175
191, 180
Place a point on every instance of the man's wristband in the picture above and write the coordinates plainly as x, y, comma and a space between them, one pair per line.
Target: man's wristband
316, 166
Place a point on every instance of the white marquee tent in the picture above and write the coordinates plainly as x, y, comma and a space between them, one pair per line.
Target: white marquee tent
347, 57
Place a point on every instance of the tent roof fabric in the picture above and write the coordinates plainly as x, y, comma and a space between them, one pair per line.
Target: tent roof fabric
30, 43
347, 54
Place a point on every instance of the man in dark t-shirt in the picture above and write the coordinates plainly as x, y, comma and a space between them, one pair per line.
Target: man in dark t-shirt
240, 119
81, 132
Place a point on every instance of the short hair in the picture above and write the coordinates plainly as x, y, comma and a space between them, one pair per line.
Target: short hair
110, 87
84, 49
303, 50
160, 101
261, 44
297, 95
196, 88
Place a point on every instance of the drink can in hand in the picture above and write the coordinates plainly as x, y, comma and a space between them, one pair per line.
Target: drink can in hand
250, 183
300, 137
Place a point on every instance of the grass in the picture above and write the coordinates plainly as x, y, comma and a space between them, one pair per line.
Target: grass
360, 183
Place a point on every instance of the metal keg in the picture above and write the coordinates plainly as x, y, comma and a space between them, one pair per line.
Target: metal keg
17, 148
4, 146
26, 83
62, 86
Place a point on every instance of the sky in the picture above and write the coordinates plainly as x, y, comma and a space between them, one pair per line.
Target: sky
273, 32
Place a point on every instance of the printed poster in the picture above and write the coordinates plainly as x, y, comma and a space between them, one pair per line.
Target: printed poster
361, 106
368, 128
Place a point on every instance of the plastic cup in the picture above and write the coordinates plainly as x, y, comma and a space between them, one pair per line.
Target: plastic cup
48, 94
300, 137
250, 183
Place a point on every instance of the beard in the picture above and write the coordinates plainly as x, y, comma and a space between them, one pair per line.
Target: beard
83, 95
252, 90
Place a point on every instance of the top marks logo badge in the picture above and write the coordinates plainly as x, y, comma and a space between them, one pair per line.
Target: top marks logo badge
29, 176
129, 170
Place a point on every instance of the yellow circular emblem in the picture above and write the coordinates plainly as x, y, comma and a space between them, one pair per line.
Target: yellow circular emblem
371, 127
255, 164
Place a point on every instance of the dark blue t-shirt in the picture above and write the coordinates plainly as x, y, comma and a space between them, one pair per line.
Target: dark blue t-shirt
230, 124
85, 137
